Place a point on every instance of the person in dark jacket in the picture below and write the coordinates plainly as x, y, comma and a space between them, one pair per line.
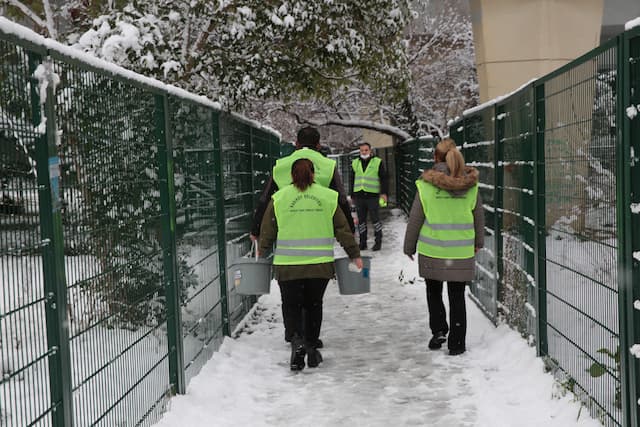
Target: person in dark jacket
370, 188
302, 219
446, 224
307, 145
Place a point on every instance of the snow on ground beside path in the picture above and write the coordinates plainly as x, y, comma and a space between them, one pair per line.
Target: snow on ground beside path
377, 370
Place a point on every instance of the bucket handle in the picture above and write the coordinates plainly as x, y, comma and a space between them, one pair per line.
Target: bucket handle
254, 249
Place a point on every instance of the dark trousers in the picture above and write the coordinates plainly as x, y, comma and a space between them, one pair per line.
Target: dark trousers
302, 307
368, 206
457, 312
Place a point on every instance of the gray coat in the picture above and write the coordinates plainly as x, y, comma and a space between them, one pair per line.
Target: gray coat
454, 270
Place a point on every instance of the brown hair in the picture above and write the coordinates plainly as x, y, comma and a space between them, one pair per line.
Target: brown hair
302, 172
446, 151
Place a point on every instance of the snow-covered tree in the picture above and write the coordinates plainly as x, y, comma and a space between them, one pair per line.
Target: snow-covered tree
235, 49
398, 66
443, 83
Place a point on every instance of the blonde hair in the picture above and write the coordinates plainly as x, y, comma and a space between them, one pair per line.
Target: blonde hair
446, 151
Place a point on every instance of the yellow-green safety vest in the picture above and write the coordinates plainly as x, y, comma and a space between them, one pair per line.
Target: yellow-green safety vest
366, 180
448, 231
323, 167
305, 225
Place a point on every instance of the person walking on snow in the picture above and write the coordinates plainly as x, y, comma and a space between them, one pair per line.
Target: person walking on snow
446, 223
302, 219
307, 147
370, 187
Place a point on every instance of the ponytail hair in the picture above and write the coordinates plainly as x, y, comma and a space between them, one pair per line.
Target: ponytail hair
446, 151
302, 173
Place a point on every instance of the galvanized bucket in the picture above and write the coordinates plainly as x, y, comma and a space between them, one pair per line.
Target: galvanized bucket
350, 280
250, 275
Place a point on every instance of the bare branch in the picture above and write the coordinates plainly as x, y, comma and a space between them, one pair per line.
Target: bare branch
27, 12
48, 13
360, 124
184, 50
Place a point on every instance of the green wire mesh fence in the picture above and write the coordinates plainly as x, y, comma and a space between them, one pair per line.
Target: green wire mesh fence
558, 182
122, 203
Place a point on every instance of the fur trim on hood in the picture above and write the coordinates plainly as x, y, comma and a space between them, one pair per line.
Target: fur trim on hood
439, 176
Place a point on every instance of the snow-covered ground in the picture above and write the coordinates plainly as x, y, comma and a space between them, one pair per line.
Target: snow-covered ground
377, 370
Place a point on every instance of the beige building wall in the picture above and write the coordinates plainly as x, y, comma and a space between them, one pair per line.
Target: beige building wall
377, 139
518, 40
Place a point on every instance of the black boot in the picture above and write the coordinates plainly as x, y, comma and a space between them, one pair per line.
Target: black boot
378, 244
437, 340
363, 242
298, 352
313, 355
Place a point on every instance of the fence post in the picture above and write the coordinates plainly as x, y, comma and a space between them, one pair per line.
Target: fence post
220, 221
168, 208
398, 159
498, 157
627, 177
55, 284
540, 221
253, 299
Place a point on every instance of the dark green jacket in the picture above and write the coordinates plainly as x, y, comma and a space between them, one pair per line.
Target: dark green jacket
269, 234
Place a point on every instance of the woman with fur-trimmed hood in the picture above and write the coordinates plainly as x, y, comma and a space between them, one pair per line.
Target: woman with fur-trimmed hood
446, 225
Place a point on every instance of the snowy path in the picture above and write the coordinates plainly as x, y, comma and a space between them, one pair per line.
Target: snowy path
377, 369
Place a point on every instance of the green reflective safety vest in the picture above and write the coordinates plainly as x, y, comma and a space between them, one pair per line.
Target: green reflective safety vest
367, 180
448, 230
324, 168
305, 225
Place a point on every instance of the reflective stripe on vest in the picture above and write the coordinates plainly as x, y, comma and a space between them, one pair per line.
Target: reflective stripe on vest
323, 167
448, 231
305, 225
366, 180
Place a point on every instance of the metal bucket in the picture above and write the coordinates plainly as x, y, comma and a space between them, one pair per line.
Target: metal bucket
250, 276
350, 280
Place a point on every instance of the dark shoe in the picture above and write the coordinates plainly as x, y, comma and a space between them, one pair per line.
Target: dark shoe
297, 356
363, 246
314, 358
318, 344
437, 340
456, 351
378, 239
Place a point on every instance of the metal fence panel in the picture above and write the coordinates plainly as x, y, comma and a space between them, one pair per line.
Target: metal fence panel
629, 215
196, 232
581, 241
116, 215
517, 291
239, 194
112, 218
478, 148
411, 159
25, 397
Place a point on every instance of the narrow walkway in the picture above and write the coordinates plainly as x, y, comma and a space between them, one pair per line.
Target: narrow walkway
377, 369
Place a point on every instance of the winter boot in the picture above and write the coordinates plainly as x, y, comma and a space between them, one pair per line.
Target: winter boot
297, 354
437, 340
363, 242
313, 356
378, 244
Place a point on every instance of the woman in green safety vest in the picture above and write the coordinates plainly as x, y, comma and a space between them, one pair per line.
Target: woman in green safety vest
303, 220
446, 224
